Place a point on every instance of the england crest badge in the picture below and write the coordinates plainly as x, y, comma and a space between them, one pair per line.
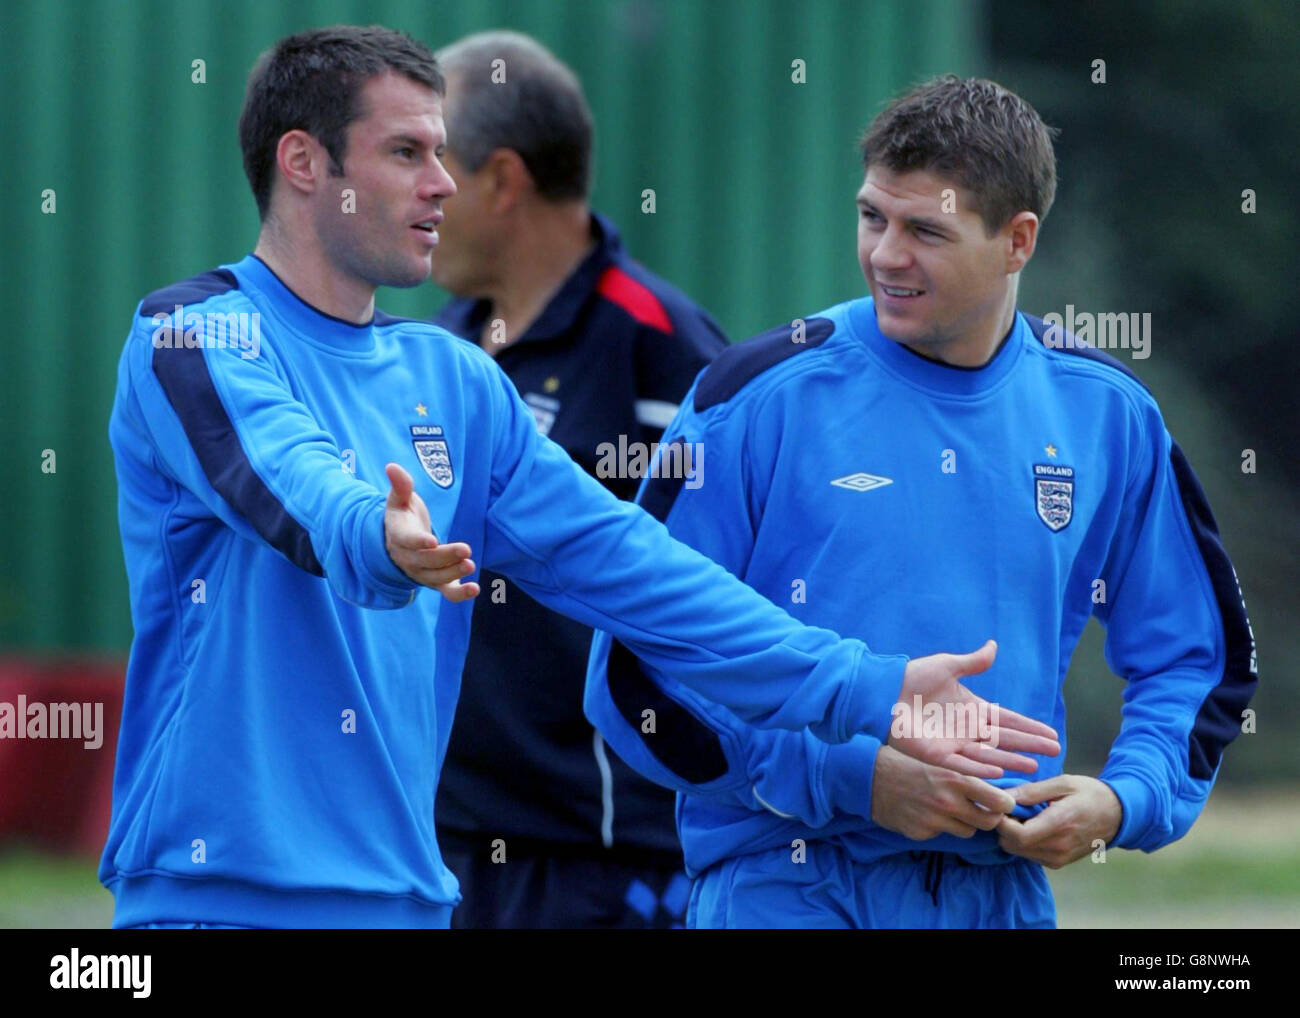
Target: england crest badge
1054, 494
431, 447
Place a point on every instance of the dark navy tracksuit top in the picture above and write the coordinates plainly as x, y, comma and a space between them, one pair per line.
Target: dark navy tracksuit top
611, 355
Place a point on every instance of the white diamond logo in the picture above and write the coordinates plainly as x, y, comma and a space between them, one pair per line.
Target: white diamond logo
861, 482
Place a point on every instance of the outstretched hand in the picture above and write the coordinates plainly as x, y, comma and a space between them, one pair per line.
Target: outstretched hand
970, 744
408, 536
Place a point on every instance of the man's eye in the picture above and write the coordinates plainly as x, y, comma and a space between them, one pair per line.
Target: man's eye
405, 151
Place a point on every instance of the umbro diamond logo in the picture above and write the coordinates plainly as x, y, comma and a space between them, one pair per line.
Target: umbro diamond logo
861, 482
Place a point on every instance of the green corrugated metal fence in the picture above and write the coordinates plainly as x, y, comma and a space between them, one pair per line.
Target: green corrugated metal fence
753, 174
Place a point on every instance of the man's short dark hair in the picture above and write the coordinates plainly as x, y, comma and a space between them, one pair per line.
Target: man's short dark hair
530, 103
312, 82
976, 133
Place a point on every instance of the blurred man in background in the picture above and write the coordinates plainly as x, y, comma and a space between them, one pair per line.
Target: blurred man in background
601, 350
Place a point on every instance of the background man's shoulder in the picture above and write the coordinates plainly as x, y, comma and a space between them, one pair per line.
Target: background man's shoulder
660, 306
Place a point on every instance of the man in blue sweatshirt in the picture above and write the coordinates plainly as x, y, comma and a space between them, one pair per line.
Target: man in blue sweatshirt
289, 692
917, 464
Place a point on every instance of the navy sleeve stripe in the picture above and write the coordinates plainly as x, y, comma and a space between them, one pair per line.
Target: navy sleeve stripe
681, 742
740, 364
183, 374
1070, 344
661, 492
1218, 721
194, 290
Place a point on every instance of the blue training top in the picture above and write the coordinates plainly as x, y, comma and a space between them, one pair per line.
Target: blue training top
281, 738
925, 508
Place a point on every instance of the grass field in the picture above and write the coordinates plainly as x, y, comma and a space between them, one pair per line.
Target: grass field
1239, 867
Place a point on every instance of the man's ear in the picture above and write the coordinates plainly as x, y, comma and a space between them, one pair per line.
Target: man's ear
1021, 235
508, 179
301, 161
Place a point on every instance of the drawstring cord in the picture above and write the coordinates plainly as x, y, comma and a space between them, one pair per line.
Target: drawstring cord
934, 863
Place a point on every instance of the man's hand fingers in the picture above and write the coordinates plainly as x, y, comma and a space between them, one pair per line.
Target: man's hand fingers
977, 661
399, 496
986, 754
405, 534
982, 805
1008, 721
1011, 834
443, 556
437, 578
997, 800
951, 825
984, 819
1043, 791
963, 764
1009, 738
1032, 832
458, 592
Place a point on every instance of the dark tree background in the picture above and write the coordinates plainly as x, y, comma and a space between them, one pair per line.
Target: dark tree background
1201, 102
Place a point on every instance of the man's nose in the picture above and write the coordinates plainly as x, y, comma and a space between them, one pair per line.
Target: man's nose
890, 252
438, 184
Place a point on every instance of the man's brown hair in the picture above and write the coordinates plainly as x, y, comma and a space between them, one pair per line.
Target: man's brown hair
977, 134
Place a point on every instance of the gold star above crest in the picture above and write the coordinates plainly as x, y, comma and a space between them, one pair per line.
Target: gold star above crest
421, 409
1050, 450
551, 384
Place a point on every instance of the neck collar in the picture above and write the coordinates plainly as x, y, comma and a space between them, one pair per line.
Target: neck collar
923, 373
312, 324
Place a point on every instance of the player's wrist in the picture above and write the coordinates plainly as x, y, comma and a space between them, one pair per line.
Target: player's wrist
1137, 808
849, 775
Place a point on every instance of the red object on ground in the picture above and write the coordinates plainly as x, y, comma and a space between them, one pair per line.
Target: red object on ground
56, 793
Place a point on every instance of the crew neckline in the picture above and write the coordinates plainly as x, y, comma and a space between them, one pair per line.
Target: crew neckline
310, 323
923, 373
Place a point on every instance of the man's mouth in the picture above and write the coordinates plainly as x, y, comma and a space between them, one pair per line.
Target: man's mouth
900, 291
429, 227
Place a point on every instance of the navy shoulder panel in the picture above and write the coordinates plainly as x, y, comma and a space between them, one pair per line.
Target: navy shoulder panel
740, 364
1068, 343
194, 290
680, 741
186, 379
1218, 721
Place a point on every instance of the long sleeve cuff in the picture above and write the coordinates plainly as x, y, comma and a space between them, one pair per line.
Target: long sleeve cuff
870, 709
848, 775
1138, 802
387, 577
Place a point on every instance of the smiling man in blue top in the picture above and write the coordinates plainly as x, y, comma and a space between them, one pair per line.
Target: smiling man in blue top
290, 688
925, 463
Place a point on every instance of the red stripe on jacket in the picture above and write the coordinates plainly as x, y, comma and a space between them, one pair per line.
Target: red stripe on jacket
617, 286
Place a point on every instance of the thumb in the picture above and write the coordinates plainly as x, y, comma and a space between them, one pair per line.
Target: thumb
977, 661
403, 487
1041, 791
